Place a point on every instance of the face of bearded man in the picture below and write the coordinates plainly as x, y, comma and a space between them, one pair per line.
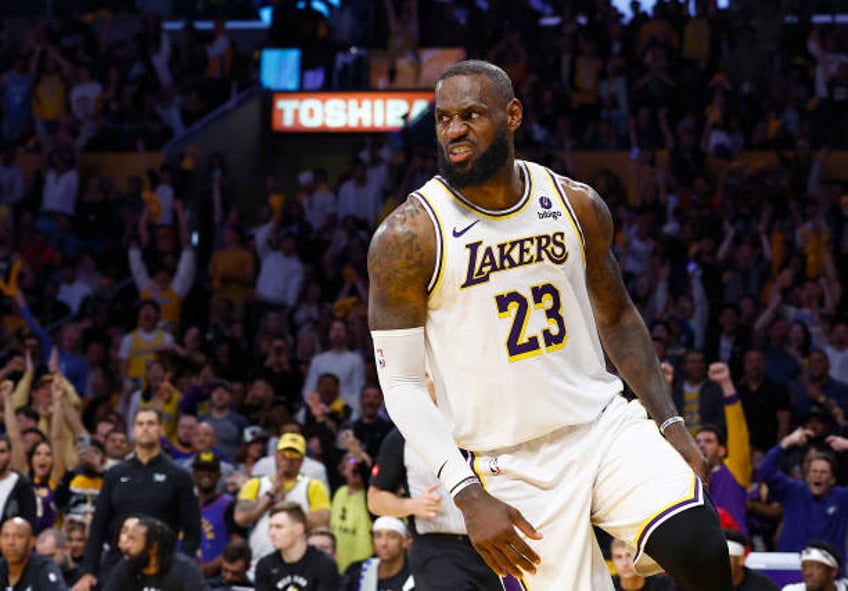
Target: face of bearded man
138, 561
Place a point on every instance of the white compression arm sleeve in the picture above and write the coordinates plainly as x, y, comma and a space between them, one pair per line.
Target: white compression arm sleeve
400, 367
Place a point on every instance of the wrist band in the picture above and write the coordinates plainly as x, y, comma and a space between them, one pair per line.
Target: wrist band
669, 422
464, 483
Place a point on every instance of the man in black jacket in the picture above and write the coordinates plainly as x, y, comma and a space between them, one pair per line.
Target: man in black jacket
17, 497
152, 563
21, 569
147, 484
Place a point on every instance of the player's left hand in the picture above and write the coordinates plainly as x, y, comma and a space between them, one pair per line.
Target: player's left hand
680, 438
495, 529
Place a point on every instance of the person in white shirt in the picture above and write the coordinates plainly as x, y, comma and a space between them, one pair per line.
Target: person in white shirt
339, 360
358, 197
319, 204
837, 351
72, 291
280, 272
61, 184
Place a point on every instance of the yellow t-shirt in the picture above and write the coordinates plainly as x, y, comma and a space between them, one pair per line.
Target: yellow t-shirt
316, 493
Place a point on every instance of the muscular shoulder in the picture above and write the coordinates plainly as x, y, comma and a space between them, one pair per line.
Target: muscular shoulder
401, 258
592, 213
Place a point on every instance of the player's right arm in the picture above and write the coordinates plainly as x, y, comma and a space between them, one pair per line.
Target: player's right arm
401, 261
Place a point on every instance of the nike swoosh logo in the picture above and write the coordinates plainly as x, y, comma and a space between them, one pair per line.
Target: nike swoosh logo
458, 233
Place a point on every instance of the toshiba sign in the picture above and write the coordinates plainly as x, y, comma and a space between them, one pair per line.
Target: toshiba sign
346, 111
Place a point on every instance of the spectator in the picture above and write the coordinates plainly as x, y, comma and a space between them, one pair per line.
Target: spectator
766, 403
280, 271
232, 270
166, 288
148, 483
227, 424
153, 561
358, 197
20, 568
12, 184
61, 184
820, 565
205, 440
216, 511
257, 497
319, 203
817, 387
837, 351
15, 90
813, 509
371, 427
729, 457
17, 497
626, 576
292, 559
697, 398
350, 522
322, 539
77, 492
139, 346
744, 579
235, 561
52, 544
340, 361
389, 569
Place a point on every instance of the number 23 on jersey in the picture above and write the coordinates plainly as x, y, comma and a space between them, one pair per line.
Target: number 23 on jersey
545, 298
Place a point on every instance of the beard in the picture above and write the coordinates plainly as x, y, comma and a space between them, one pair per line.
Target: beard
136, 562
480, 171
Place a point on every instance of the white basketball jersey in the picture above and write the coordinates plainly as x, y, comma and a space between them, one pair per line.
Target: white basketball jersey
512, 346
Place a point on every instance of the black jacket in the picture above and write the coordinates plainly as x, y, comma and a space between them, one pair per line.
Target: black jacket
40, 574
183, 575
159, 489
21, 500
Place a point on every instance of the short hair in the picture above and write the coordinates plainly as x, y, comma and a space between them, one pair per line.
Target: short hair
292, 509
827, 457
332, 376
5, 437
41, 436
718, 431
498, 78
322, 531
616, 543
152, 303
29, 412
157, 532
155, 411
77, 525
59, 537
237, 550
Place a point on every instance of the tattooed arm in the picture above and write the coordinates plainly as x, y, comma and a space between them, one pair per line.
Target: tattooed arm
401, 260
620, 326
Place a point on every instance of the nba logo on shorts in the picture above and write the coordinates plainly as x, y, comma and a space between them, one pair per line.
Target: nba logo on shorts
493, 466
381, 359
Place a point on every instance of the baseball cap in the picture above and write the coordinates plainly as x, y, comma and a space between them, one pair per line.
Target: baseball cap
292, 441
206, 459
391, 524
253, 433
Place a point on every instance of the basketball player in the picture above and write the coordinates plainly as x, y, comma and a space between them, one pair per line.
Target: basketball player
497, 277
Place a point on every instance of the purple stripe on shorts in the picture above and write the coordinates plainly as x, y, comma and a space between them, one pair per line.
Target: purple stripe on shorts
696, 500
510, 583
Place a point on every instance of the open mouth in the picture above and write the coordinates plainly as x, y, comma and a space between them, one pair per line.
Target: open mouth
459, 152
